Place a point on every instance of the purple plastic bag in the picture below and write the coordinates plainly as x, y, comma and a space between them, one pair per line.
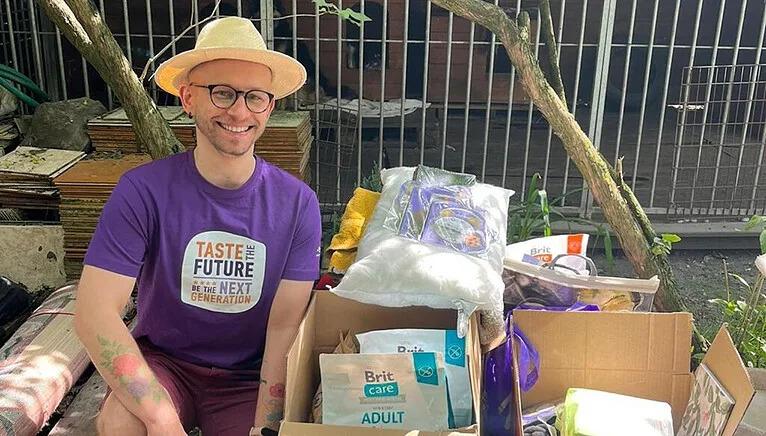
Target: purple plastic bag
498, 397
498, 379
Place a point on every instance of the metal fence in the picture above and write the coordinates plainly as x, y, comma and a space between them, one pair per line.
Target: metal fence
720, 145
434, 88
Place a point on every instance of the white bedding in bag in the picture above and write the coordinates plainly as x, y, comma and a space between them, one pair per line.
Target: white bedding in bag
395, 271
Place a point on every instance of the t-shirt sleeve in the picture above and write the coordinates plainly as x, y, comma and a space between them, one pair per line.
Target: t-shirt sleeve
120, 241
305, 250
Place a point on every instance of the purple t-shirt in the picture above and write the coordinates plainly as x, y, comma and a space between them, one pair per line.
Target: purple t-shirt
208, 260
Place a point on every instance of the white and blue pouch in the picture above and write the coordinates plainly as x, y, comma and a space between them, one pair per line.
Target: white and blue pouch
430, 340
398, 391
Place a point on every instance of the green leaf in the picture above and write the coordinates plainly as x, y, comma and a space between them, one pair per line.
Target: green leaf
755, 221
324, 6
671, 237
740, 279
533, 185
354, 16
762, 240
546, 212
608, 250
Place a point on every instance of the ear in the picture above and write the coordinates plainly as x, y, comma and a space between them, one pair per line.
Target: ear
272, 105
185, 94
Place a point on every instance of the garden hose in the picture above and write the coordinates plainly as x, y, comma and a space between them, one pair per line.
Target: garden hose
38, 93
13, 75
16, 92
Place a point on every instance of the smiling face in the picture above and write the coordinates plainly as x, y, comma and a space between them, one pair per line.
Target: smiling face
232, 131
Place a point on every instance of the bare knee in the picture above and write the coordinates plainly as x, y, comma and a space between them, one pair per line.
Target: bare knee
116, 419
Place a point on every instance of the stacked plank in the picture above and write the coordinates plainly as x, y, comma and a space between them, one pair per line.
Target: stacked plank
112, 131
286, 142
27, 173
84, 189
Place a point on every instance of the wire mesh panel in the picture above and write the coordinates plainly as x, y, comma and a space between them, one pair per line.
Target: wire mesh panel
719, 150
417, 84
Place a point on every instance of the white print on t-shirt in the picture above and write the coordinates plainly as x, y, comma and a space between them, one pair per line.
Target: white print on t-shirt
222, 272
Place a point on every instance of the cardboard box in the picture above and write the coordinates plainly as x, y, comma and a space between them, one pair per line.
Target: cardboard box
318, 333
647, 355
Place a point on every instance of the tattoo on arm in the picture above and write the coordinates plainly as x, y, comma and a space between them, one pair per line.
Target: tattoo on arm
275, 406
129, 370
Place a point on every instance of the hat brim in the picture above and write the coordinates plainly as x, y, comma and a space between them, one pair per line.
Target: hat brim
288, 75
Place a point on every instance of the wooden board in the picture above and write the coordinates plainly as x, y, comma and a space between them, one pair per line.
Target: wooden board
40, 363
37, 162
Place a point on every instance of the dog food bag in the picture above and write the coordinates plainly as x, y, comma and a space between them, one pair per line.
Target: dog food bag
547, 248
401, 391
424, 340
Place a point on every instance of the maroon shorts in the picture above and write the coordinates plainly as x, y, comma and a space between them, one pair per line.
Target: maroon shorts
218, 401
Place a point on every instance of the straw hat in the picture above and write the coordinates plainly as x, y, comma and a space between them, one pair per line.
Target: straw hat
232, 38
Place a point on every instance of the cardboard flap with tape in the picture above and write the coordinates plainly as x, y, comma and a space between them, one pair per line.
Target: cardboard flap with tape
318, 333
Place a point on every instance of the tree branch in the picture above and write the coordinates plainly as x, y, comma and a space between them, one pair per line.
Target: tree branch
63, 17
82, 25
595, 169
553, 49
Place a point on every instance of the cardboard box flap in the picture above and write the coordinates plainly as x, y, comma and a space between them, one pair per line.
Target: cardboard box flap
639, 354
301, 377
723, 360
334, 312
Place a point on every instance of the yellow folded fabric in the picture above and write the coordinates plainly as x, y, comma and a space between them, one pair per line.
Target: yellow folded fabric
341, 260
358, 212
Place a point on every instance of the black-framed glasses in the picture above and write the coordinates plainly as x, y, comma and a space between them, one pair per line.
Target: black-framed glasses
224, 97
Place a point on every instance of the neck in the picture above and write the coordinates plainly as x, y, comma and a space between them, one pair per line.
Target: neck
222, 170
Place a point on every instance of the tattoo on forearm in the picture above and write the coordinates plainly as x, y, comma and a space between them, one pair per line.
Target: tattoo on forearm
128, 369
275, 406
277, 391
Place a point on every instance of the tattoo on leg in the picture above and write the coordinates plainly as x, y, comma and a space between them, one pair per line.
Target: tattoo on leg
129, 370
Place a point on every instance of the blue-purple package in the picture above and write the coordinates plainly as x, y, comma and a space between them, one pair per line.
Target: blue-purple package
458, 228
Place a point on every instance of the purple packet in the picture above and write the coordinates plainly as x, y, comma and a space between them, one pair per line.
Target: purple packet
457, 228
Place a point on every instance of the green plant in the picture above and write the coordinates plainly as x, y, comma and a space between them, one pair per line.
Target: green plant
534, 215
373, 182
345, 14
746, 318
664, 243
755, 222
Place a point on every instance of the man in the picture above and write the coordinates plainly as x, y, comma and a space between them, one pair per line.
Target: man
225, 248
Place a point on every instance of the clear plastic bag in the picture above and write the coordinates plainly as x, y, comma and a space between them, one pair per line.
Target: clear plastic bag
395, 271
545, 286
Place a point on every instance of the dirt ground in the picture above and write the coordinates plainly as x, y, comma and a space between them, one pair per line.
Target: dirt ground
699, 274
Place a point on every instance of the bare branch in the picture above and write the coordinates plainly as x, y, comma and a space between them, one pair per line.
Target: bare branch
522, 21
154, 58
82, 25
63, 17
553, 50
